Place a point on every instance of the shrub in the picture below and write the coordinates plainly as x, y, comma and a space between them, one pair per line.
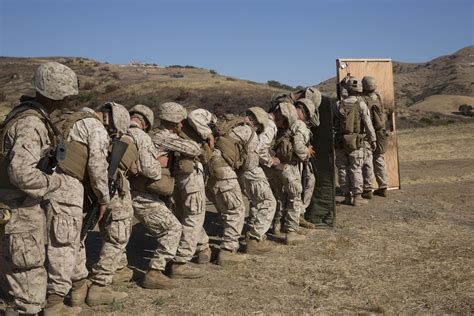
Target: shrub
111, 87
3, 96
88, 85
277, 84
213, 72
105, 68
426, 120
230, 79
84, 97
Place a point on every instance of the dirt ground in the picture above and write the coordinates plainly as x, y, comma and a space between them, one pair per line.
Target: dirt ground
409, 253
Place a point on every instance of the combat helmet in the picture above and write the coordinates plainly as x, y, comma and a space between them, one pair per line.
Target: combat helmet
172, 112
120, 116
353, 85
369, 84
260, 115
280, 97
310, 109
146, 113
55, 81
288, 111
314, 95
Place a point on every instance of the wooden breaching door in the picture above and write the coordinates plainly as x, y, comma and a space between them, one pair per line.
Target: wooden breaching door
382, 71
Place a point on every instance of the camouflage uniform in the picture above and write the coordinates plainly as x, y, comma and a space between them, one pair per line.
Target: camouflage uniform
149, 209
23, 238
350, 164
190, 196
66, 252
374, 162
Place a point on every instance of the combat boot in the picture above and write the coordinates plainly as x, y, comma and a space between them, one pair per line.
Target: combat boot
367, 194
55, 306
276, 229
258, 247
203, 256
155, 279
230, 258
293, 238
359, 201
381, 192
185, 271
347, 199
79, 292
122, 275
102, 295
305, 224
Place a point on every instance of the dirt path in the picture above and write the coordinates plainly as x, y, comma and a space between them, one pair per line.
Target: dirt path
409, 253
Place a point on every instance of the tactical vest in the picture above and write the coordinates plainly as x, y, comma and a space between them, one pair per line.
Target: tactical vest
349, 126
186, 165
377, 113
129, 164
284, 146
233, 151
75, 163
24, 109
163, 187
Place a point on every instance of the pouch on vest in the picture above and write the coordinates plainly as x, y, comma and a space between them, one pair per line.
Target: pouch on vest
75, 163
186, 165
129, 159
162, 187
216, 167
350, 116
377, 117
231, 151
284, 149
351, 142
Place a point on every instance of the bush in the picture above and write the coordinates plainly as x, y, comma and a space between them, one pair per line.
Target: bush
88, 85
105, 68
213, 72
3, 96
277, 84
84, 97
230, 79
111, 87
426, 120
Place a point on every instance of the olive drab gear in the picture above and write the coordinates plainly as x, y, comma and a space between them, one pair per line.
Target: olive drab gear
172, 112
146, 113
77, 153
129, 164
369, 84
24, 109
55, 81
186, 164
163, 187
348, 125
283, 146
120, 116
233, 151
377, 115
261, 115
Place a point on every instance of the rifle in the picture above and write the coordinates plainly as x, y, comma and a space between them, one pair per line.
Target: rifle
92, 217
304, 178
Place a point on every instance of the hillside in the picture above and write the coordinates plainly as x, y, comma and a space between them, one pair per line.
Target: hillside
414, 82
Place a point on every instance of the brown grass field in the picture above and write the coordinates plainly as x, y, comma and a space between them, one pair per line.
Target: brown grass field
410, 253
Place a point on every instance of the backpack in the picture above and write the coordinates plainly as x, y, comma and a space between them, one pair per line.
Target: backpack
377, 112
348, 125
283, 146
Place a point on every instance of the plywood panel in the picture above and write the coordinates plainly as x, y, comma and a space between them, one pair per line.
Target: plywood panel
382, 71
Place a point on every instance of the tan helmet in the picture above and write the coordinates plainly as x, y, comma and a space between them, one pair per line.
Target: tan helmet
279, 98
145, 112
120, 116
172, 112
288, 111
310, 109
260, 114
368, 83
353, 85
55, 81
314, 95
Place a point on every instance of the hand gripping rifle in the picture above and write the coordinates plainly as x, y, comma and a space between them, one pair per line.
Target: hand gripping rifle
92, 217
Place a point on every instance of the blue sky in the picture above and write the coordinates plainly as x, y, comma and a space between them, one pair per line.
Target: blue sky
294, 42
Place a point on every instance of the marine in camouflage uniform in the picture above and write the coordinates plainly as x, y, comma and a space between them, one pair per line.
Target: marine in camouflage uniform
374, 161
189, 194
188, 173
23, 186
349, 142
65, 250
257, 189
116, 224
149, 207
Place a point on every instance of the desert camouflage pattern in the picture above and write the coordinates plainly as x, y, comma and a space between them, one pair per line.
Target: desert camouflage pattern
266, 138
55, 81
190, 195
309, 188
66, 252
120, 117
115, 231
149, 209
200, 119
367, 167
22, 239
172, 112
161, 224
146, 112
191, 212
